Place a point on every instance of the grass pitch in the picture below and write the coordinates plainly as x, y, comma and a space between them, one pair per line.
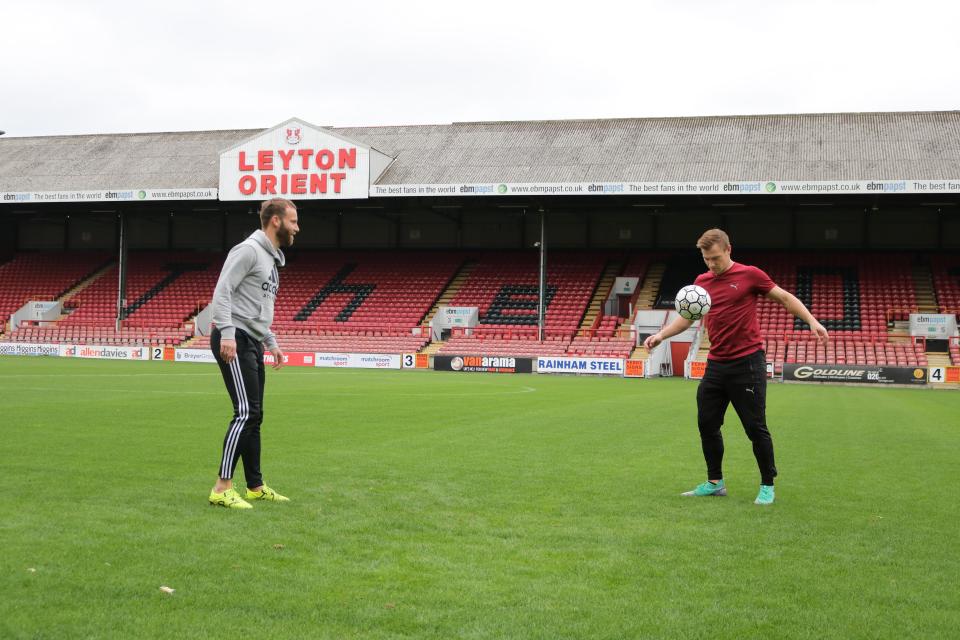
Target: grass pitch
430, 505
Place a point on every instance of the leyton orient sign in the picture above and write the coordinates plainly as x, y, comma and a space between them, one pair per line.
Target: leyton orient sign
299, 161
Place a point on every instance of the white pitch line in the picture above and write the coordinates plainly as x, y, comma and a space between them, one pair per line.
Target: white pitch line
438, 393
522, 390
137, 391
98, 375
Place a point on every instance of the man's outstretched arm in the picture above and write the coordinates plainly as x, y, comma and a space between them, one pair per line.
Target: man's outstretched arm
679, 325
796, 308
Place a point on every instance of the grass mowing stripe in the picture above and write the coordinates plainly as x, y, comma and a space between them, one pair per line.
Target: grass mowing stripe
431, 505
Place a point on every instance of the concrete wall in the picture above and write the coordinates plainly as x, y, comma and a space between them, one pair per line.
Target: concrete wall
829, 228
902, 229
41, 233
367, 229
626, 228
681, 230
496, 230
98, 231
760, 229
148, 230
483, 226
951, 229
428, 229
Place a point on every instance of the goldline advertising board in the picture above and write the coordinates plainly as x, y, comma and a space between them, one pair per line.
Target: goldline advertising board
854, 373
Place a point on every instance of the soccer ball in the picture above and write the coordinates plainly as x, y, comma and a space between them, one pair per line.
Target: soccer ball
692, 302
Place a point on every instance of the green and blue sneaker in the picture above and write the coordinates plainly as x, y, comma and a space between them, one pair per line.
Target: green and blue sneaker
707, 489
266, 493
765, 496
229, 499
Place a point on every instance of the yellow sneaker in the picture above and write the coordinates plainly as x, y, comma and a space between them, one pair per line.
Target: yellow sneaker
266, 493
229, 499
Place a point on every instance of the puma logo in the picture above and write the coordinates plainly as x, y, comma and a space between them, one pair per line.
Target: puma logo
735, 286
750, 391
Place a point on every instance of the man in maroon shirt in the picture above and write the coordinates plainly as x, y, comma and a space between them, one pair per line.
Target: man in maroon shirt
736, 368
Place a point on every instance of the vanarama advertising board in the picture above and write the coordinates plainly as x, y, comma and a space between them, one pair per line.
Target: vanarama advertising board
483, 364
299, 161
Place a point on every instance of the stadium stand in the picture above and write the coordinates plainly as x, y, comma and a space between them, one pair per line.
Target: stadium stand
504, 288
946, 279
614, 325
607, 325
368, 302
504, 285
379, 302
517, 345
858, 298
43, 276
164, 291
864, 301
601, 346
523, 345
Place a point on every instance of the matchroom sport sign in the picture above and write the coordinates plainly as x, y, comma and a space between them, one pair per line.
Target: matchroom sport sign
299, 161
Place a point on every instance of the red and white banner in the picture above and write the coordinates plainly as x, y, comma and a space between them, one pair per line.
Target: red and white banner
292, 359
101, 352
299, 161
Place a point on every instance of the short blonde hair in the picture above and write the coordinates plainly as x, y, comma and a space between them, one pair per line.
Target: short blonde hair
711, 237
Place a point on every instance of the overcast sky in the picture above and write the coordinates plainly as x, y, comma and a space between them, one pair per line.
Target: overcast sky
103, 67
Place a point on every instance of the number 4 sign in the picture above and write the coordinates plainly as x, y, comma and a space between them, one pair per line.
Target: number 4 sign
941, 375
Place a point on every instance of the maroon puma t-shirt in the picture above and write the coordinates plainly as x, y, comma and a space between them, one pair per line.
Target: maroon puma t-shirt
732, 322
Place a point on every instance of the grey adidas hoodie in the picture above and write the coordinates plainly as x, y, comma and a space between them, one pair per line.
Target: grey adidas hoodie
247, 289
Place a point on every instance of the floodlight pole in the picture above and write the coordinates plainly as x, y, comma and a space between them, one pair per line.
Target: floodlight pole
542, 292
122, 271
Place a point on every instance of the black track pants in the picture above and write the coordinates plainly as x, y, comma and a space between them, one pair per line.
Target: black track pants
742, 382
244, 378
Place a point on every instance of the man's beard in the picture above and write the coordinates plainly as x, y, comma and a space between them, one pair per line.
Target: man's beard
285, 237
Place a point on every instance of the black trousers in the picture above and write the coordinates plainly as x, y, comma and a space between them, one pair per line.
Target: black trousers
244, 378
742, 382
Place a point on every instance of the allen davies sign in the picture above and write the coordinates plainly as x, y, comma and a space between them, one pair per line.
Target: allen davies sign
299, 161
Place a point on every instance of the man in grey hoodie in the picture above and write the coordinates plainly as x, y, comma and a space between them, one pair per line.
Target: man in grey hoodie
242, 315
